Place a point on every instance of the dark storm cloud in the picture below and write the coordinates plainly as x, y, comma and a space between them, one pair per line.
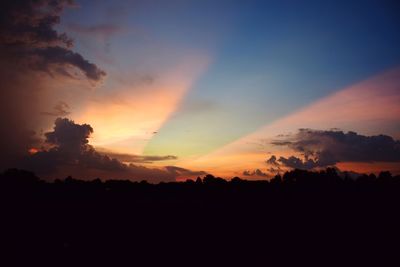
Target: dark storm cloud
31, 22
50, 56
326, 148
27, 30
69, 135
69, 146
70, 151
29, 46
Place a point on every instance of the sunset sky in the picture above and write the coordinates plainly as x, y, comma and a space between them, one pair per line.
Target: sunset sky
176, 89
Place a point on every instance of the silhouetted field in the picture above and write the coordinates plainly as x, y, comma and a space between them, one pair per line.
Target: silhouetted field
316, 217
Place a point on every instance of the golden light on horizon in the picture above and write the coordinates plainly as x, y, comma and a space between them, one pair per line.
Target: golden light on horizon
340, 110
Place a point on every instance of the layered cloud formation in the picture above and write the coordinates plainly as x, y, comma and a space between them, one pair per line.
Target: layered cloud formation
32, 50
327, 148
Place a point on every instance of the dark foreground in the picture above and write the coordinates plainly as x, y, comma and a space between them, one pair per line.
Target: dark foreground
318, 218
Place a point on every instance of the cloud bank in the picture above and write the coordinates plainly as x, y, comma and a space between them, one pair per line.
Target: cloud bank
68, 152
327, 148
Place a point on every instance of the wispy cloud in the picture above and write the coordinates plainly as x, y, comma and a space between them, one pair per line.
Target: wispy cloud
61, 109
131, 158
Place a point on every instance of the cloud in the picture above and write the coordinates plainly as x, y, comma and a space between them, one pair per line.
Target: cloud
30, 46
256, 172
178, 171
27, 31
68, 135
69, 153
297, 163
69, 146
272, 161
326, 148
46, 58
31, 23
59, 110
138, 158
275, 163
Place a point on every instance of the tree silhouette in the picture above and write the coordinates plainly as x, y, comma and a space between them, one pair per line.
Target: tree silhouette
301, 214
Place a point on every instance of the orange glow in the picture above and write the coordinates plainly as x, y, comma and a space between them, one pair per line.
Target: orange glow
33, 151
124, 122
349, 109
370, 167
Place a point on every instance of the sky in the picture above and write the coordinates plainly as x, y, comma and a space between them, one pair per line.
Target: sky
166, 90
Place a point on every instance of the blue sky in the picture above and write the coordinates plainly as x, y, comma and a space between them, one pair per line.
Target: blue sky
280, 55
265, 59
